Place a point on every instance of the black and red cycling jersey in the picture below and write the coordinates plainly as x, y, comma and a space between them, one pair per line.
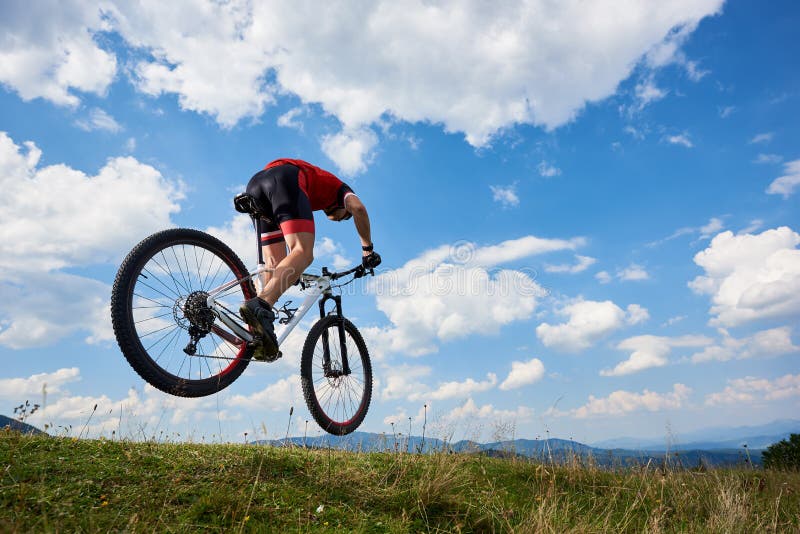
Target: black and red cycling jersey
287, 191
323, 189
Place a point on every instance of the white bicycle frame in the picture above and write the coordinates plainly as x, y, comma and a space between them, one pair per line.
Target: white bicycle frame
314, 284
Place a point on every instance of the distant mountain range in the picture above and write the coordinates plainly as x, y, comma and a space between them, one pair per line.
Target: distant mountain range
754, 437
719, 446
549, 450
19, 426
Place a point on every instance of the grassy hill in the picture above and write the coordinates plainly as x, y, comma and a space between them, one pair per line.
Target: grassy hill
65, 484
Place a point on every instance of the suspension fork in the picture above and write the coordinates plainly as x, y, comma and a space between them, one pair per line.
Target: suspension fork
326, 353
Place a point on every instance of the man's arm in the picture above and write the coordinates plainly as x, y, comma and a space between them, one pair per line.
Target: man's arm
361, 220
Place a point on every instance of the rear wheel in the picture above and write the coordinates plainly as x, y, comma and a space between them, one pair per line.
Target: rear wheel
337, 401
159, 301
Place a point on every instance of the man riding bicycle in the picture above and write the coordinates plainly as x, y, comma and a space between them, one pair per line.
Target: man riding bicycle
281, 198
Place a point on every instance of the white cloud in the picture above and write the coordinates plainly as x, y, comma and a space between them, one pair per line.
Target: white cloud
280, 395
768, 158
651, 351
512, 67
622, 402
765, 137
289, 119
99, 120
402, 416
751, 389
99, 217
714, 225
679, 139
471, 411
636, 314
36, 313
448, 292
674, 320
134, 412
668, 52
584, 262
754, 226
603, 277
750, 277
726, 111
523, 373
505, 195
31, 388
785, 185
403, 380
48, 50
646, 92
452, 390
763, 344
633, 272
350, 150
589, 322
547, 170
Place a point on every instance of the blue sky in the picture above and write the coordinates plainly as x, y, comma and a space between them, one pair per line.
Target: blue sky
588, 216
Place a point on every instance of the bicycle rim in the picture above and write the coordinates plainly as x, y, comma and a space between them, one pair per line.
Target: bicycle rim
168, 298
337, 402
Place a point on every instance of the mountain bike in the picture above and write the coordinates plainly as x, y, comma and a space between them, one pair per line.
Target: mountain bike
172, 309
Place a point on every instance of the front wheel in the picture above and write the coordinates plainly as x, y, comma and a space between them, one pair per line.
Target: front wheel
337, 400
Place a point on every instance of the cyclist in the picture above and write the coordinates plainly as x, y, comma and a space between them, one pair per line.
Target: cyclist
281, 199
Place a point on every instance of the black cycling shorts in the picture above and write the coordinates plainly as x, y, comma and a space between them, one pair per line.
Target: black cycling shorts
285, 205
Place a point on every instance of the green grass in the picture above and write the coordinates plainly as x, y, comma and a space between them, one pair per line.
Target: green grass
64, 484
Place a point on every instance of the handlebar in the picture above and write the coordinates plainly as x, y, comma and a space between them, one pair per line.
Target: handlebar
359, 271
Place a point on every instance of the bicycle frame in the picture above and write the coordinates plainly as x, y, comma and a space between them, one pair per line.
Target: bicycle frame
316, 285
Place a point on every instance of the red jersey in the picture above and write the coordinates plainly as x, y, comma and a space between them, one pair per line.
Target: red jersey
322, 188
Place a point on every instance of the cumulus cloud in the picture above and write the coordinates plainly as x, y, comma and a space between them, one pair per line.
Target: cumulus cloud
679, 139
99, 217
633, 272
651, 351
403, 381
750, 277
763, 344
603, 277
31, 388
99, 120
280, 395
471, 411
523, 373
49, 50
506, 196
92, 219
751, 389
37, 314
350, 150
583, 263
455, 389
448, 292
129, 415
622, 402
588, 322
230, 59
785, 185
548, 170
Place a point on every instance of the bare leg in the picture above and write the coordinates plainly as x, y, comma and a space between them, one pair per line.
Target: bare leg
273, 255
289, 269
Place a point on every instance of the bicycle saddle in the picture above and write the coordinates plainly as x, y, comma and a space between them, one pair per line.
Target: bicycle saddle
246, 203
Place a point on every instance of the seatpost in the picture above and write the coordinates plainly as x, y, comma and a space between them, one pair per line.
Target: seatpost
257, 225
